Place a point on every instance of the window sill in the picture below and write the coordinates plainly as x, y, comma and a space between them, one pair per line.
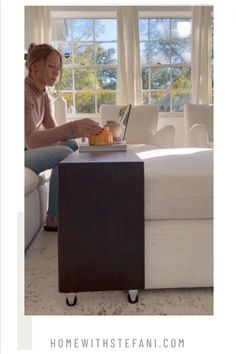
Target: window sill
96, 116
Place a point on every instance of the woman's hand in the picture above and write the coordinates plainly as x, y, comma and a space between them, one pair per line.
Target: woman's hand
86, 127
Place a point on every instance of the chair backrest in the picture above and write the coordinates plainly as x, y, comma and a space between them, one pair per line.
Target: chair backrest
199, 114
109, 112
143, 121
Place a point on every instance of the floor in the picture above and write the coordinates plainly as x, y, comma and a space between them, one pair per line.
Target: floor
43, 298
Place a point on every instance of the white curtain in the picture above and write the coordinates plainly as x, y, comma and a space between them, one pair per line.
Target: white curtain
129, 87
37, 25
201, 54
58, 30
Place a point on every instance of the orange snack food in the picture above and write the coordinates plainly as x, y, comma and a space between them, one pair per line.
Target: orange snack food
105, 138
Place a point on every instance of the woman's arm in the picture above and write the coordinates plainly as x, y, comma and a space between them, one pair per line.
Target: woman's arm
37, 136
37, 119
75, 129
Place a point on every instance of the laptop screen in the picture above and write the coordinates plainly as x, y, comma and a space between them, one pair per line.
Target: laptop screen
123, 118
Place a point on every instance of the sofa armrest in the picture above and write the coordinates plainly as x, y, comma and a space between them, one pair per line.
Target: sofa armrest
198, 136
31, 180
164, 138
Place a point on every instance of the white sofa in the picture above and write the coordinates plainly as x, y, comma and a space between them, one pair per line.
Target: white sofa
36, 196
178, 217
178, 199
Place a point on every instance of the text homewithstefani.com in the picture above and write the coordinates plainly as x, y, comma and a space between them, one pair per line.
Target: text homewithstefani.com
112, 343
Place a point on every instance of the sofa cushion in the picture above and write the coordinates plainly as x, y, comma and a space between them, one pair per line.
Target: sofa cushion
44, 177
178, 183
31, 180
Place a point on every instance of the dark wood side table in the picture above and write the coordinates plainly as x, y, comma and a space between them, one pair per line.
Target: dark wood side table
101, 222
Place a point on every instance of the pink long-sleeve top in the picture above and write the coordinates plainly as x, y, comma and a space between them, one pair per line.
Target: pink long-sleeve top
40, 127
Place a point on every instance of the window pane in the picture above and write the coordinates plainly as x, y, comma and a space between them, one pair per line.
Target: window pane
160, 78
106, 53
181, 28
84, 54
68, 96
181, 77
159, 29
181, 52
65, 50
144, 48
180, 97
83, 29
85, 102
181, 84
85, 79
106, 97
106, 79
69, 29
162, 99
66, 82
145, 97
143, 29
159, 52
165, 55
105, 30
145, 78
89, 50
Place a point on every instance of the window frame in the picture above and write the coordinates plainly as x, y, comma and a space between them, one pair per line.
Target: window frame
110, 12
165, 13
86, 14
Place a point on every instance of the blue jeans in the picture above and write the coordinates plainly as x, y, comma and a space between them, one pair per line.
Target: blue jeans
45, 158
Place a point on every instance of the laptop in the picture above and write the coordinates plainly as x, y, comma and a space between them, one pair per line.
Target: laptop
119, 144
122, 119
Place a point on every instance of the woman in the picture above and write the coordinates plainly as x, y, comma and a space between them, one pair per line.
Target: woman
46, 143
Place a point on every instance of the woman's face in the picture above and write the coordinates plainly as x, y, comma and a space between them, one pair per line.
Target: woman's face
46, 74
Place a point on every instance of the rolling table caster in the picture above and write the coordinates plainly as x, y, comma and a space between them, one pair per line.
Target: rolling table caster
133, 296
71, 299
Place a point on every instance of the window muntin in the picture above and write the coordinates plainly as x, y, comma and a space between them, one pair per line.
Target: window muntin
89, 51
165, 53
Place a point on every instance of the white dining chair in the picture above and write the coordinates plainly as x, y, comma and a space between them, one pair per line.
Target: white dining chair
198, 119
142, 125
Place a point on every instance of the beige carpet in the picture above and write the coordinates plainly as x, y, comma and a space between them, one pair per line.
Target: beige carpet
43, 298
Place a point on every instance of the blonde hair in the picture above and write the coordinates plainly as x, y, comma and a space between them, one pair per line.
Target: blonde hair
37, 52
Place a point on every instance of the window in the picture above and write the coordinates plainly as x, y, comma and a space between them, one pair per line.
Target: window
89, 47
165, 52
89, 50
